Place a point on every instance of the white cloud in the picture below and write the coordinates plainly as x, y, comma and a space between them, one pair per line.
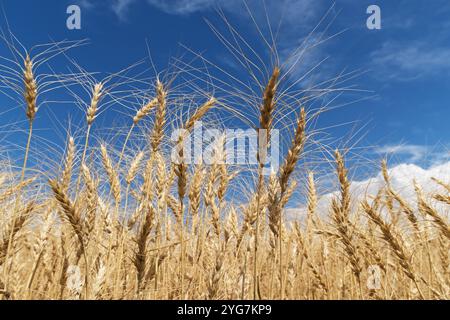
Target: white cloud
121, 8
292, 11
402, 179
418, 154
414, 152
183, 7
410, 61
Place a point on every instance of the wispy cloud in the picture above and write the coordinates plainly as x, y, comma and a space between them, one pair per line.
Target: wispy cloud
402, 179
183, 7
289, 9
121, 8
418, 154
85, 4
413, 152
288, 21
409, 61
286, 12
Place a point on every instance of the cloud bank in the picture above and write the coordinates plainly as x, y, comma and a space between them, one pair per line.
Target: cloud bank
402, 180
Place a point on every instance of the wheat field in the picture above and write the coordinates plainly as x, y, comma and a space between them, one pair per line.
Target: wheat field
114, 221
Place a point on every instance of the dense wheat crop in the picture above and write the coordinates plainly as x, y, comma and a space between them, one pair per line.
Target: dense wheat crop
116, 221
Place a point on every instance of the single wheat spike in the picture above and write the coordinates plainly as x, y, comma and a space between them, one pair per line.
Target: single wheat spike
288, 194
215, 217
97, 93
444, 252
134, 167
173, 205
68, 165
210, 190
160, 120
268, 105
148, 183
91, 197
312, 196
248, 219
213, 175
426, 209
442, 198
140, 258
145, 110
161, 179
30, 89
112, 174
294, 151
224, 180
442, 184
231, 225
274, 209
195, 193
343, 183
199, 113
181, 173
265, 125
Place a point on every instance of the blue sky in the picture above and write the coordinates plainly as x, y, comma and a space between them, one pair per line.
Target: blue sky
403, 69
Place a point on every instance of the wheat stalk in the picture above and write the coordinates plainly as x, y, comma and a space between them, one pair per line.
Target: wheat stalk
265, 124
114, 181
160, 120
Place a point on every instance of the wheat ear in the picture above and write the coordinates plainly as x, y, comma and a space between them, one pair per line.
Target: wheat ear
140, 257
30, 95
160, 120
97, 93
265, 124
92, 198
112, 174
68, 165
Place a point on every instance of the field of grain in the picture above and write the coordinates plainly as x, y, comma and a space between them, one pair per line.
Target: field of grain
119, 222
